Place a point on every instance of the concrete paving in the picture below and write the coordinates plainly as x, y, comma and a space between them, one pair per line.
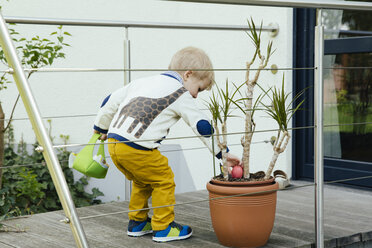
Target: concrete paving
347, 222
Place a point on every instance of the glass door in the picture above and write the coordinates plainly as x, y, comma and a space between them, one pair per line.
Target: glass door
348, 106
347, 96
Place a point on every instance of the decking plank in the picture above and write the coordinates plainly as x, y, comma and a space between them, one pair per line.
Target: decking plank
4, 245
348, 219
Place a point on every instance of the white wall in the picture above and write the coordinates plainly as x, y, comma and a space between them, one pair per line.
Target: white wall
59, 94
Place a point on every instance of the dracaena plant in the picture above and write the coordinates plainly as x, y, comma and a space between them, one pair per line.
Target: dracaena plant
220, 107
221, 102
255, 36
282, 113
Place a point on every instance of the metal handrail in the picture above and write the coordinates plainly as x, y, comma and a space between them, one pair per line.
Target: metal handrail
344, 5
132, 24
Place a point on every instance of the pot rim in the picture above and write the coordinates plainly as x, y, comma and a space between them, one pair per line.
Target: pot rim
247, 183
270, 187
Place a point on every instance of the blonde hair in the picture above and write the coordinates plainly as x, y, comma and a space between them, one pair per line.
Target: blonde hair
193, 59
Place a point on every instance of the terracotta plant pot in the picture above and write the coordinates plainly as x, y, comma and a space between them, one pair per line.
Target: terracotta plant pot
244, 221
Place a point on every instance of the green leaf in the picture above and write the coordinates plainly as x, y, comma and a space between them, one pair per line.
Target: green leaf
278, 109
96, 192
84, 180
34, 58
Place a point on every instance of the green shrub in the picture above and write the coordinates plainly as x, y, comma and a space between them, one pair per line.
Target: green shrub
29, 189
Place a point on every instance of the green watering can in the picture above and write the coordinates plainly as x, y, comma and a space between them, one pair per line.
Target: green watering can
89, 164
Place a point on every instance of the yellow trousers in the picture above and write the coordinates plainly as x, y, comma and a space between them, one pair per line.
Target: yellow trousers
151, 177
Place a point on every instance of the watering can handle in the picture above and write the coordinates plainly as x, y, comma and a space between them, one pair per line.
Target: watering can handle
93, 140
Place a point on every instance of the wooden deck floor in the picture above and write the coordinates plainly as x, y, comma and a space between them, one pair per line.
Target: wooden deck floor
348, 221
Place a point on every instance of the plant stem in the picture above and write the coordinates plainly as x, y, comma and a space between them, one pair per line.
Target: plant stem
218, 137
272, 164
249, 123
277, 150
14, 106
281, 140
11, 114
222, 144
248, 130
2, 131
213, 153
224, 151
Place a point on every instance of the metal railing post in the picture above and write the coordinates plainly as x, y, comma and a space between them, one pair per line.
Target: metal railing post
42, 135
318, 132
126, 57
128, 185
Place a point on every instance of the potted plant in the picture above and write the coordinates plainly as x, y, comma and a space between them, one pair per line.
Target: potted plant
247, 220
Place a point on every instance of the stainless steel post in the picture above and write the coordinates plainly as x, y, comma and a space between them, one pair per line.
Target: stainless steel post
42, 135
318, 132
126, 57
128, 186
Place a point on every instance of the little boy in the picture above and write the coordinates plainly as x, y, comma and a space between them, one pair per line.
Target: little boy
144, 110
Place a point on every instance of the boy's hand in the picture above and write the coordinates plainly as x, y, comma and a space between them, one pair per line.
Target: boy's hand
103, 135
232, 161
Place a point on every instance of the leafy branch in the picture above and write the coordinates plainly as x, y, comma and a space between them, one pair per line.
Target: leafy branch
282, 113
255, 36
220, 107
35, 53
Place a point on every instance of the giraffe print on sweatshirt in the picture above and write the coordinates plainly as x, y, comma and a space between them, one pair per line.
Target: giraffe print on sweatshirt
144, 110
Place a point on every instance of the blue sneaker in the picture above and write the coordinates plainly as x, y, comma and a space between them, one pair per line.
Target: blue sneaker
173, 232
139, 228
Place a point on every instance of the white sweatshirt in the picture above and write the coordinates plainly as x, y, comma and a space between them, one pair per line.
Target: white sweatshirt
146, 108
